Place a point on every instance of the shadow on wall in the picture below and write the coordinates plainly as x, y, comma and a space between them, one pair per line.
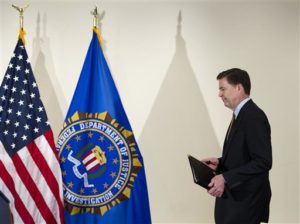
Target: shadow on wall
99, 24
50, 89
178, 125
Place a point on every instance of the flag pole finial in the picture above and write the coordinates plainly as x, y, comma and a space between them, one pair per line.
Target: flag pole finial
21, 11
96, 16
95, 24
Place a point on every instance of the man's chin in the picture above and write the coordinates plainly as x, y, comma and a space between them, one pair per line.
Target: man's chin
227, 105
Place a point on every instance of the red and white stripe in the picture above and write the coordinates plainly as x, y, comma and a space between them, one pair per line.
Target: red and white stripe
31, 180
90, 161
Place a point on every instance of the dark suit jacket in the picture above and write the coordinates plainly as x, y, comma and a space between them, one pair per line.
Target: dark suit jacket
245, 165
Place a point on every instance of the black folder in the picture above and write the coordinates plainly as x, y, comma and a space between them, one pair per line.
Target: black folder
202, 173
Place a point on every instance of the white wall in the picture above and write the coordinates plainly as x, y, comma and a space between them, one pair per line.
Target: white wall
299, 79
1, 25
165, 72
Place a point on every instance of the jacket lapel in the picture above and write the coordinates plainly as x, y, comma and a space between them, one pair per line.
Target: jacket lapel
234, 129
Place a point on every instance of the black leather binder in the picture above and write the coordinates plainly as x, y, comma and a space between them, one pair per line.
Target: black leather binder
202, 173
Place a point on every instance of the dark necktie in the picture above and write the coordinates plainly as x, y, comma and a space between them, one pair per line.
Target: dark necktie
230, 126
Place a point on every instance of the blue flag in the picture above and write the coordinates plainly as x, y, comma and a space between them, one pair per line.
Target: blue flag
102, 167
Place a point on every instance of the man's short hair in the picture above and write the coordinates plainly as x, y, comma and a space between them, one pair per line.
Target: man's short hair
236, 76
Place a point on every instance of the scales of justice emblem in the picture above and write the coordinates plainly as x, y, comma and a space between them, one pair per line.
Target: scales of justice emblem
99, 162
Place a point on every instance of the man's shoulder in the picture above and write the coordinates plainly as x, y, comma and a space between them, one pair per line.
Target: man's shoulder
253, 110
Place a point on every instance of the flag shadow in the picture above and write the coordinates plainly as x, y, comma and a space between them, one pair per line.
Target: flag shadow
44, 71
178, 124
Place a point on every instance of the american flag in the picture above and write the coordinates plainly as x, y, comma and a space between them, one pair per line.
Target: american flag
30, 175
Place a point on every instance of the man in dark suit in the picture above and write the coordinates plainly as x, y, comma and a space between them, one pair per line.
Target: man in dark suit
242, 188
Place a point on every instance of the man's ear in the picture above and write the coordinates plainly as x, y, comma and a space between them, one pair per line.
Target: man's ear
240, 88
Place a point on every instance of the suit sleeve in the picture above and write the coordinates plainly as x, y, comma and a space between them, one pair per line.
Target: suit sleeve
259, 149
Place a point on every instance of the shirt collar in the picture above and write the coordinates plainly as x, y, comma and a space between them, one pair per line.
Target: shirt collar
239, 107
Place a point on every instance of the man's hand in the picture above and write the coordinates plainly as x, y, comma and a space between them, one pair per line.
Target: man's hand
211, 162
216, 186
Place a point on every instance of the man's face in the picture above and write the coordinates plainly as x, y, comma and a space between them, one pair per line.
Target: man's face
229, 93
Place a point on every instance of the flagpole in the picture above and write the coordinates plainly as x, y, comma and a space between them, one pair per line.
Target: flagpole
21, 10
95, 17
96, 29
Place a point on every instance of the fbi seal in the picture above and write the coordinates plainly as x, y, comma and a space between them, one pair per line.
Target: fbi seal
99, 162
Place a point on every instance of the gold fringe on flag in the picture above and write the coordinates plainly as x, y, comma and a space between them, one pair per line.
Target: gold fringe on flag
97, 31
22, 34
